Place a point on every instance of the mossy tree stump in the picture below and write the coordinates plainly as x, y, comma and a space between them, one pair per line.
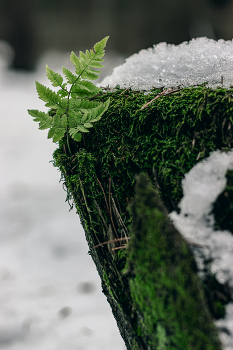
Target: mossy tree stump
147, 270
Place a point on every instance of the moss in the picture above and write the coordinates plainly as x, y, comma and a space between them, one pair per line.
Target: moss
165, 140
164, 282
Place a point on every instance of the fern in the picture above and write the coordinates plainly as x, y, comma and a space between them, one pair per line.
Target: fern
71, 112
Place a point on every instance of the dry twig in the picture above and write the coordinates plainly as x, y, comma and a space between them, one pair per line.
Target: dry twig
125, 90
101, 215
103, 194
110, 207
121, 247
112, 240
121, 222
163, 93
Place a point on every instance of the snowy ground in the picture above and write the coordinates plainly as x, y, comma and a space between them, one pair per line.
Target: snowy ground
50, 292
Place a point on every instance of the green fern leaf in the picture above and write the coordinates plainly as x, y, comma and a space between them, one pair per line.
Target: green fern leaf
81, 94
89, 55
70, 77
82, 56
56, 120
47, 95
97, 112
84, 117
75, 134
98, 47
77, 63
85, 105
88, 125
63, 121
91, 87
55, 78
63, 92
59, 134
51, 132
88, 74
43, 118
85, 89
82, 128
96, 64
60, 122
75, 103
74, 118
59, 112
63, 104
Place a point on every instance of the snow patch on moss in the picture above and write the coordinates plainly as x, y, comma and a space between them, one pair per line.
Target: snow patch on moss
195, 62
201, 186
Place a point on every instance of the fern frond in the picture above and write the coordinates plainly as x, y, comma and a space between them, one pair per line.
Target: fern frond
44, 119
63, 121
98, 47
90, 75
60, 122
85, 104
75, 134
77, 63
45, 94
82, 55
84, 88
99, 111
74, 118
96, 64
70, 77
70, 110
81, 128
63, 104
55, 78
94, 114
85, 117
63, 92
75, 103
51, 132
91, 59
59, 134
88, 125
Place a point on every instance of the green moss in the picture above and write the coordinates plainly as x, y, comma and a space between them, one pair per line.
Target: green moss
165, 140
165, 286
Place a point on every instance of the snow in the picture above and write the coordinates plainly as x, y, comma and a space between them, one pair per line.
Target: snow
201, 187
166, 65
50, 292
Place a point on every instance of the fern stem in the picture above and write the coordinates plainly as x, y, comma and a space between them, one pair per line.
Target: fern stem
68, 145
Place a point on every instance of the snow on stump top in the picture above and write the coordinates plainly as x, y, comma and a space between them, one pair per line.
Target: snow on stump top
195, 62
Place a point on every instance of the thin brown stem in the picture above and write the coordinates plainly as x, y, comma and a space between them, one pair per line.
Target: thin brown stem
125, 90
110, 207
101, 215
121, 222
112, 240
163, 93
121, 247
103, 194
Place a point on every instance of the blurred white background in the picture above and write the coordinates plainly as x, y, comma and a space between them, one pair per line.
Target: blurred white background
50, 292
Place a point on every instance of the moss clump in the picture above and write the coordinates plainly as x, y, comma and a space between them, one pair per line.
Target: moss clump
165, 140
164, 283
